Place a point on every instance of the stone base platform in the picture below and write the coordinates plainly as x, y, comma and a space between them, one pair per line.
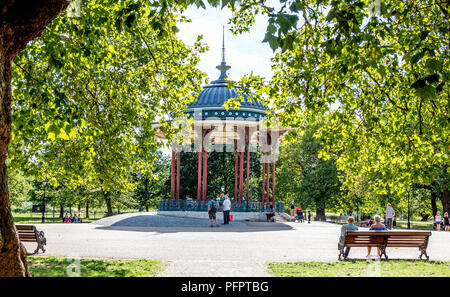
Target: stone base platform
237, 216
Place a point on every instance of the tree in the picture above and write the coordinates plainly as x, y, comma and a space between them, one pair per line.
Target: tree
150, 189
380, 72
305, 177
19, 187
18, 27
112, 77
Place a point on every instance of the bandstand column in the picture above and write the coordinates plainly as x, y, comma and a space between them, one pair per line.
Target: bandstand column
205, 174
263, 180
248, 171
172, 177
235, 175
241, 176
268, 178
273, 181
199, 176
178, 175
247, 143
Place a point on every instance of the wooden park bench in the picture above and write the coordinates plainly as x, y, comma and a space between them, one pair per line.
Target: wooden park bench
384, 239
29, 233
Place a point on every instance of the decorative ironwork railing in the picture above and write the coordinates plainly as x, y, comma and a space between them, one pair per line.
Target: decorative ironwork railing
202, 205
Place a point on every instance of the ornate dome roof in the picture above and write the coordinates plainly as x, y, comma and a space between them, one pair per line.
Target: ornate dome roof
213, 96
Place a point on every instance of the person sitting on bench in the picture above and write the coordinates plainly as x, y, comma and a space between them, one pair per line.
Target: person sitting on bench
377, 226
350, 226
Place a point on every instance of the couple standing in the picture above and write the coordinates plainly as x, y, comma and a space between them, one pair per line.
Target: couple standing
213, 207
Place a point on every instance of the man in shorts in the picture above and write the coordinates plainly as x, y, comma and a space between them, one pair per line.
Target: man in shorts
212, 209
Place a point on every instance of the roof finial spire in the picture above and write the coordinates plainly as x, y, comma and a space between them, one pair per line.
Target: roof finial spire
223, 67
223, 44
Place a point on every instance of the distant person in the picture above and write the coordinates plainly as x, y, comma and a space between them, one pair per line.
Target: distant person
309, 217
270, 214
376, 226
350, 226
292, 207
446, 222
71, 218
212, 209
390, 214
438, 221
75, 218
301, 215
226, 208
67, 218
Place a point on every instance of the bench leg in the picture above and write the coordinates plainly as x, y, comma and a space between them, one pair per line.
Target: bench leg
36, 250
423, 252
383, 252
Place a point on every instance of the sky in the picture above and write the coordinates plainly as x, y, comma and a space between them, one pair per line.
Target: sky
244, 53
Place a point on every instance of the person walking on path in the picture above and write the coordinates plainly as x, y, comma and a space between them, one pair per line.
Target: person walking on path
309, 217
390, 214
226, 208
350, 226
212, 209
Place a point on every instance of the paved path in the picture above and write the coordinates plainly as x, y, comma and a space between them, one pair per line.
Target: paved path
191, 248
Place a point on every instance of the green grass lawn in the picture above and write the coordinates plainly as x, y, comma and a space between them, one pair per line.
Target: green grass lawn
57, 267
391, 268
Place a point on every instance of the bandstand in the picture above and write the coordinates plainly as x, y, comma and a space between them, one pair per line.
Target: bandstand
209, 126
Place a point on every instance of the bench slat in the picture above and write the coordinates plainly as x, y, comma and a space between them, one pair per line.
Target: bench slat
28, 240
25, 227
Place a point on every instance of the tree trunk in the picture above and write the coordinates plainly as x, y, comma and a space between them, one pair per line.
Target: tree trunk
20, 22
61, 211
87, 210
320, 214
433, 203
445, 199
12, 254
108, 203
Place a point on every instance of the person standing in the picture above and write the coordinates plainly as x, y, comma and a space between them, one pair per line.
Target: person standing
438, 221
309, 217
212, 209
390, 214
350, 226
292, 207
226, 208
446, 222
